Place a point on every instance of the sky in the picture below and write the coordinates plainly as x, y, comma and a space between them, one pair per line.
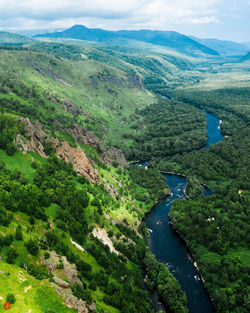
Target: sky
222, 19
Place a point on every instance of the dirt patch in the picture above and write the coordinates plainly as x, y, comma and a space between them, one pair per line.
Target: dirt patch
101, 234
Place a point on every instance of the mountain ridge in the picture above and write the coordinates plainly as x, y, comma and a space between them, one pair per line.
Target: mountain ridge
170, 39
224, 47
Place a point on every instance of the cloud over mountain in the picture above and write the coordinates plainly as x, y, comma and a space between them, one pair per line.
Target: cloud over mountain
180, 15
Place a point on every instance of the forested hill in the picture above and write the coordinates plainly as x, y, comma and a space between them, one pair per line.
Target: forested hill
72, 237
169, 39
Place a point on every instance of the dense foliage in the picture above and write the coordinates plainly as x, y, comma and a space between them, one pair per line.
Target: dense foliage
9, 128
168, 288
231, 105
216, 228
150, 181
166, 128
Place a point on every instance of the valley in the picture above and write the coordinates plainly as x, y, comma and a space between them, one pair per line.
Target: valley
79, 226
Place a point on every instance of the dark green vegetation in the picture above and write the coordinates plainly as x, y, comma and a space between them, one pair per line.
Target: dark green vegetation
69, 92
231, 105
166, 128
54, 185
194, 189
167, 286
151, 180
9, 128
46, 205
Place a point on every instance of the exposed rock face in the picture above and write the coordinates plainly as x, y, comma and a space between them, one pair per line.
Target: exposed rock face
110, 188
63, 287
88, 138
101, 234
36, 138
50, 264
76, 156
70, 271
61, 283
68, 106
45, 71
117, 155
73, 302
79, 160
135, 82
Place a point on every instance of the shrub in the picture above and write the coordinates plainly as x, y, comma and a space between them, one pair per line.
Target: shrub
32, 247
11, 298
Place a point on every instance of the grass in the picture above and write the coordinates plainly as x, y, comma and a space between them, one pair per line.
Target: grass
51, 211
31, 295
18, 161
108, 111
242, 253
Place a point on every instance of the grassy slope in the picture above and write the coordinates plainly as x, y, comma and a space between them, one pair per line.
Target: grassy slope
97, 101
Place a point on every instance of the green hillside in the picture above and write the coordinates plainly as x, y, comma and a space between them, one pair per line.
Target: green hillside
64, 189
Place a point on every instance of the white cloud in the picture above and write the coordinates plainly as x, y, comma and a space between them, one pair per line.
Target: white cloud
158, 14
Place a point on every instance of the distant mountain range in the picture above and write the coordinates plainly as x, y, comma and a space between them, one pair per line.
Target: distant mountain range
170, 39
189, 45
224, 47
10, 39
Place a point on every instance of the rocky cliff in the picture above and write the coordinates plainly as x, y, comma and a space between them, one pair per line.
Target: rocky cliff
34, 141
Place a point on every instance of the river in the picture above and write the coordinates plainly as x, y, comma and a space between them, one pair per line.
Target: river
167, 246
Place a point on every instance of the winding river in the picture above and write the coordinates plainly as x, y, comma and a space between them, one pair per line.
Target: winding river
167, 246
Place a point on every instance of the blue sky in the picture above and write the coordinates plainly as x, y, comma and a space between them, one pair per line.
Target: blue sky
223, 19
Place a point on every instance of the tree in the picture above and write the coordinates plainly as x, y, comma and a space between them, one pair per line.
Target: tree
11, 256
19, 235
11, 298
32, 247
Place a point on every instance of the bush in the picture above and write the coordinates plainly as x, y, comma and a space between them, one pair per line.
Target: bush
46, 255
32, 247
11, 298
11, 256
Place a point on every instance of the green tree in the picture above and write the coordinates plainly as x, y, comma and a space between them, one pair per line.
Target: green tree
19, 235
10, 298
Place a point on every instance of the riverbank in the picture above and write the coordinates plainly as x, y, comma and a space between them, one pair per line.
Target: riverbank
170, 249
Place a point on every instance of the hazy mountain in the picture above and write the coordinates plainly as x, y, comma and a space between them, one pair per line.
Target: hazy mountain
223, 46
10, 39
170, 39
246, 57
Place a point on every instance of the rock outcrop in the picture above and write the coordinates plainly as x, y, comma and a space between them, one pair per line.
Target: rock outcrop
108, 154
74, 303
78, 159
36, 137
101, 234
35, 143
63, 287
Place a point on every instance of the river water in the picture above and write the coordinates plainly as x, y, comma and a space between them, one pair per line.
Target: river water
167, 246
